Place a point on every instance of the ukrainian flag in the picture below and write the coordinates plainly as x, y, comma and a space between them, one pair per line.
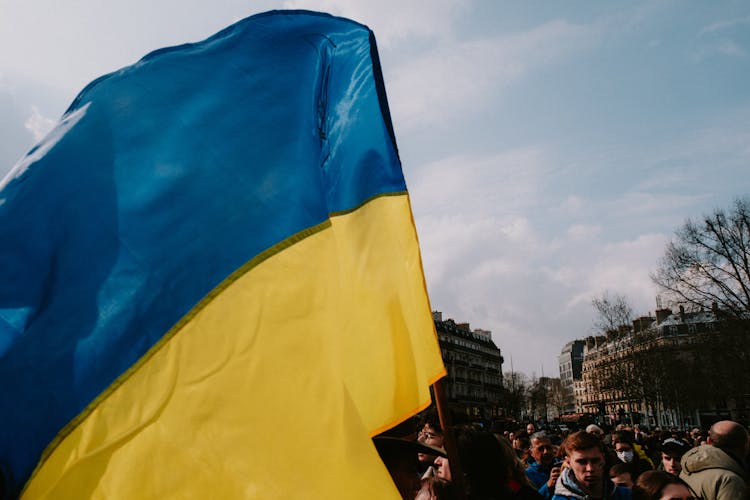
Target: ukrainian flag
210, 281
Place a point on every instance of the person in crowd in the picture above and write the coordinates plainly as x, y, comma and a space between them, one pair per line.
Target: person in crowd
697, 437
530, 429
517, 478
400, 458
595, 430
487, 475
621, 474
434, 488
718, 471
584, 477
543, 472
672, 451
627, 451
521, 445
430, 433
638, 435
661, 485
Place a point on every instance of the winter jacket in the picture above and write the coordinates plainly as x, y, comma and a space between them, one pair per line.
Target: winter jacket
713, 474
538, 474
567, 489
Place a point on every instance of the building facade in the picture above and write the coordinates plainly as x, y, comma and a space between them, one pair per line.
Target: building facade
571, 369
638, 373
474, 385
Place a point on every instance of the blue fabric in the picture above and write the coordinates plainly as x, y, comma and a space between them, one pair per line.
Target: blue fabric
163, 179
539, 474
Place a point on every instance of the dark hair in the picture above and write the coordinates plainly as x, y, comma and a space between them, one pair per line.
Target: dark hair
516, 468
651, 483
582, 440
429, 417
482, 459
622, 468
623, 437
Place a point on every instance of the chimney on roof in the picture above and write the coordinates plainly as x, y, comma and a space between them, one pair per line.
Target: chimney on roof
682, 313
437, 316
463, 326
662, 314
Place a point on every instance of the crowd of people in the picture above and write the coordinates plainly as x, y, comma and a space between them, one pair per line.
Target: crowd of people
523, 463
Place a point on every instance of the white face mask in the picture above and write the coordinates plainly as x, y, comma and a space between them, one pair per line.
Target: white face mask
625, 456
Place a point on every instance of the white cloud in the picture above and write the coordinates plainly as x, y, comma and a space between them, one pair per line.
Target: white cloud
392, 20
625, 266
457, 78
723, 25
499, 184
583, 231
38, 124
730, 48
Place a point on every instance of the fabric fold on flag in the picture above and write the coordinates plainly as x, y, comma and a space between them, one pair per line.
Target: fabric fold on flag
210, 280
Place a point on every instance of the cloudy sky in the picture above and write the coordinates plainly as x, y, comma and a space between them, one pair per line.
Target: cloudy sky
550, 148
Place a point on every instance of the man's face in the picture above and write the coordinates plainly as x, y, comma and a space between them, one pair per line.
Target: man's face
588, 468
429, 435
671, 463
543, 451
530, 429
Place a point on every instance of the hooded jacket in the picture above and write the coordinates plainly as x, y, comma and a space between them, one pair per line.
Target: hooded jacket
567, 489
539, 474
713, 474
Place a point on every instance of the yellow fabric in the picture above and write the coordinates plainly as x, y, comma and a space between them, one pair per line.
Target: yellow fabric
274, 387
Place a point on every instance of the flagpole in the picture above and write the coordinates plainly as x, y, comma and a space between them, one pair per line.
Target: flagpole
449, 442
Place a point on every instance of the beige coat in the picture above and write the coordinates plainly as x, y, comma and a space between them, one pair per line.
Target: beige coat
713, 474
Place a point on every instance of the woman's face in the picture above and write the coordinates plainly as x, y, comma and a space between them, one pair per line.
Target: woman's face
676, 492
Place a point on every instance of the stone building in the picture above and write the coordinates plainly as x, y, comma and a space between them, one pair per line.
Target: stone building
474, 385
629, 375
571, 369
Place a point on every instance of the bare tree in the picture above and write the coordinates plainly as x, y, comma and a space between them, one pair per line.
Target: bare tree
516, 389
558, 396
612, 312
708, 261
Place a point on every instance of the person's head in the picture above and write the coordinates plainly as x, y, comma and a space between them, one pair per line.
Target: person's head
400, 458
521, 443
622, 475
516, 468
595, 430
542, 449
730, 437
623, 443
430, 433
660, 485
530, 429
483, 462
672, 451
584, 454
